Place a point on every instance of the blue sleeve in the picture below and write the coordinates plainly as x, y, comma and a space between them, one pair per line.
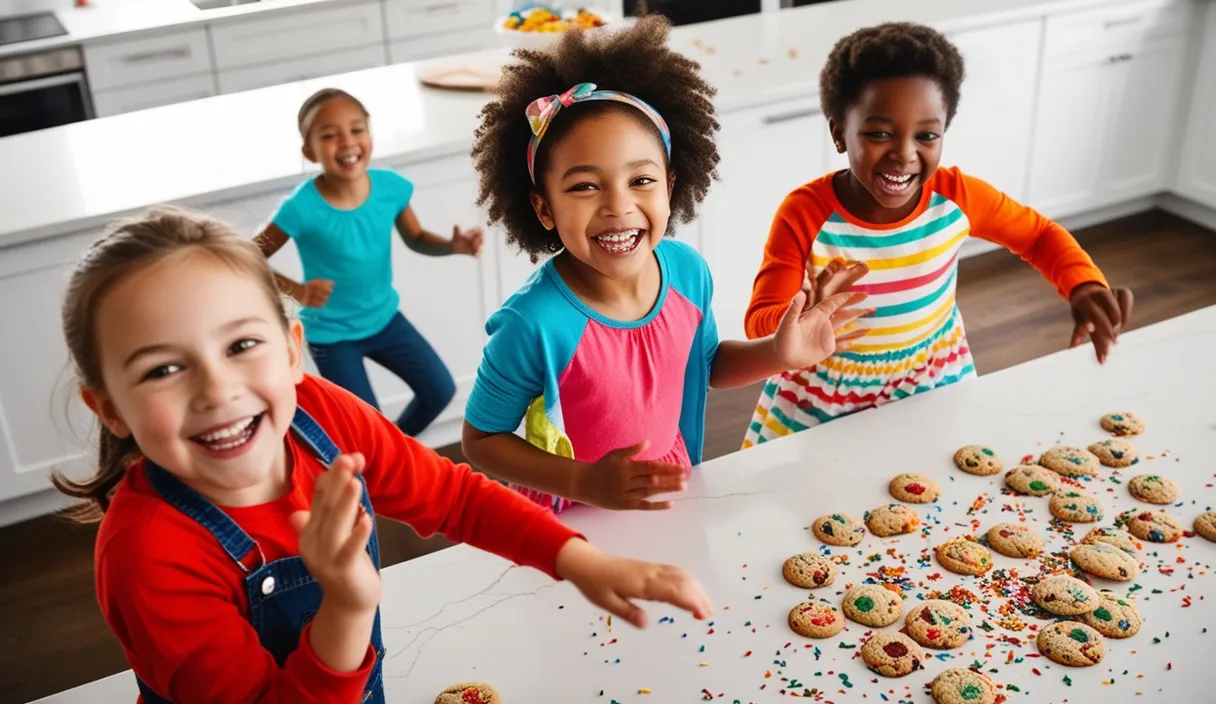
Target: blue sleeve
401, 188
290, 216
689, 273
511, 374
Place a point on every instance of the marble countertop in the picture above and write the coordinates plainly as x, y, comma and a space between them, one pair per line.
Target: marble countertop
77, 177
461, 615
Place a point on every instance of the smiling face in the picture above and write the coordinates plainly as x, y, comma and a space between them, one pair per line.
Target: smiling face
197, 366
339, 139
607, 190
893, 137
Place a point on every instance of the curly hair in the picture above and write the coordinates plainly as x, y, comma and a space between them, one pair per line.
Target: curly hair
634, 60
891, 50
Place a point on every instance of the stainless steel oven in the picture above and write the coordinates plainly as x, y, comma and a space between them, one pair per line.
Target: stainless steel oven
43, 88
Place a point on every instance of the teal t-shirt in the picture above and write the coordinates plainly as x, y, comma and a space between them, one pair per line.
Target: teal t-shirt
353, 249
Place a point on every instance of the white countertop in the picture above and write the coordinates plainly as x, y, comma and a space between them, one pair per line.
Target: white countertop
461, 615
77, 177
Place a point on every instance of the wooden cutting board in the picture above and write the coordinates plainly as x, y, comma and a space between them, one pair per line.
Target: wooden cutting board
473, 77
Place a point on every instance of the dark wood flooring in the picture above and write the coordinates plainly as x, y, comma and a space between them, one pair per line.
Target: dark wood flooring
53, 637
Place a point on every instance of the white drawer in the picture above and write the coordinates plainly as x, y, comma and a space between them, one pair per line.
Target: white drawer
150, 95
417, 18
256, 39
1117, 26
417, 48
302, 69
124, 63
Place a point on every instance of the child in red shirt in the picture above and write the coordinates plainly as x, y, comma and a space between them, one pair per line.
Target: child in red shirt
237, 558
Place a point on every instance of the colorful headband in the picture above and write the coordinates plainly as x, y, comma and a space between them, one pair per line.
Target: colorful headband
542, 111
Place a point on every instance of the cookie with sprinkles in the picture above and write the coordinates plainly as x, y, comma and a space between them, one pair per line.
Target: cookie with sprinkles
1064, 596
468, 694
978, 459
938, 624
1155, 527
958, 685
1118, 537
1071, 643
892, 654
1205, 525
1070, 461
1115, 617
1075, 507
963, 555
1032, 480
1113, 452
809, 570
872, 605
892, 519
914, 488
1122, 423
1106, 561
838, 529
1015, 540
1153, 489
815, 619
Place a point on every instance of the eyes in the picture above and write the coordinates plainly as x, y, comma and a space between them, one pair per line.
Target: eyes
883, 135
330, 136
636, 182
168, 369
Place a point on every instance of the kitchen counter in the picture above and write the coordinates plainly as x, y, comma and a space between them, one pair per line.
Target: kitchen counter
461, 615
75, 178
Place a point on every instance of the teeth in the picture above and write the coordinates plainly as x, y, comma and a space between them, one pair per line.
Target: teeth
347, 160
231, 431
898, 179
618, 237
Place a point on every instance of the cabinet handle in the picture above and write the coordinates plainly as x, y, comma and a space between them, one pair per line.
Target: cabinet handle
180, 52
791, 115
1123, 22
1119, 58
446, 9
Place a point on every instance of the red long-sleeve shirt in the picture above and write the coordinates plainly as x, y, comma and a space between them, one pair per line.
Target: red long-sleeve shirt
177, 602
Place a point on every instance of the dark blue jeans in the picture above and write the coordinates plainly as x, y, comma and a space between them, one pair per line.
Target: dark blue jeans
400, 349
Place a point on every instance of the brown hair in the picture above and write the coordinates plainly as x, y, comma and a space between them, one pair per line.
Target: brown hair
128, 246
635, 61
314, 103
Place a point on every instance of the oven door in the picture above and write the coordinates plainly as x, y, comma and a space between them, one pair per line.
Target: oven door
39, 103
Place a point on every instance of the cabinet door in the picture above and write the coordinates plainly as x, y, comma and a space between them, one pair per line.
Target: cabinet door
1068, 135
766, 153
463, 42
274, 36
151, 95
421, 18
147, 58
301, 69
1142, 109
1197, 177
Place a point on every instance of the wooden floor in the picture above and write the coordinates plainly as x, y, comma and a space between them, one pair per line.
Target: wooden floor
53, 637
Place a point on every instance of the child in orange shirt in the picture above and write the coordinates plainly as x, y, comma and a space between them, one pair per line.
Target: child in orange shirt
891, 226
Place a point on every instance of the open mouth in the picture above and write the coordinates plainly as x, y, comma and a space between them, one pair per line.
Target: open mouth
618, 242
347, 162
229, 438
896, 184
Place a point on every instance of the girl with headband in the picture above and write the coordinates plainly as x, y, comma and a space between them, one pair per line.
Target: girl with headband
607, 352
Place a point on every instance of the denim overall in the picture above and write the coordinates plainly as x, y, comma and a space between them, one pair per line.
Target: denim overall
283, 596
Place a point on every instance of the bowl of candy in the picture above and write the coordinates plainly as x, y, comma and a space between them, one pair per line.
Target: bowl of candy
540, 26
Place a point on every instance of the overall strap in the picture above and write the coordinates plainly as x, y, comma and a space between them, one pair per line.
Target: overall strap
314, 437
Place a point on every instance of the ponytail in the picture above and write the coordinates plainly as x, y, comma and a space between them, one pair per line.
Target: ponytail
114, 455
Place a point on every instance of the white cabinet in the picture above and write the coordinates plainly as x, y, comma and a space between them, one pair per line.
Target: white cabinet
300, 69
766, 153
144, 59
149, 95
1197, 175
420, 18
462, 42
258, 39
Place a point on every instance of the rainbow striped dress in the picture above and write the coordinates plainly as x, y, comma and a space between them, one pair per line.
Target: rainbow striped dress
915, 341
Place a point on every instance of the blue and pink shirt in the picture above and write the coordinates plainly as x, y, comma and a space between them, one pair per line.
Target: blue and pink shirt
588, 384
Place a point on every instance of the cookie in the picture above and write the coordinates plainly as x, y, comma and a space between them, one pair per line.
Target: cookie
914, 488
468, 694
892, 654
815, 619
938, 624
1122, 423
1153, 489
977, 459
1031, 479
1118, 537
1075, 507
1114, 452
958, 685
963, 555
872, 605
1071, 643
1014, 540
1070, 461
1106, 561
1155, 527
809, 570
1064, 596
892, 519
838, 529
1205, 525
1115, 617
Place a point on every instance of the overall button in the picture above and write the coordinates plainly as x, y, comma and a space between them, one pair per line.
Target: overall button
268, 585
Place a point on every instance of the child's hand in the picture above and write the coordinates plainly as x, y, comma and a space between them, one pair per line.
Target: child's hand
466, 241
1101, 313
836, 277
619, 482
810, 333
315, 293
333, 538
611, 582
